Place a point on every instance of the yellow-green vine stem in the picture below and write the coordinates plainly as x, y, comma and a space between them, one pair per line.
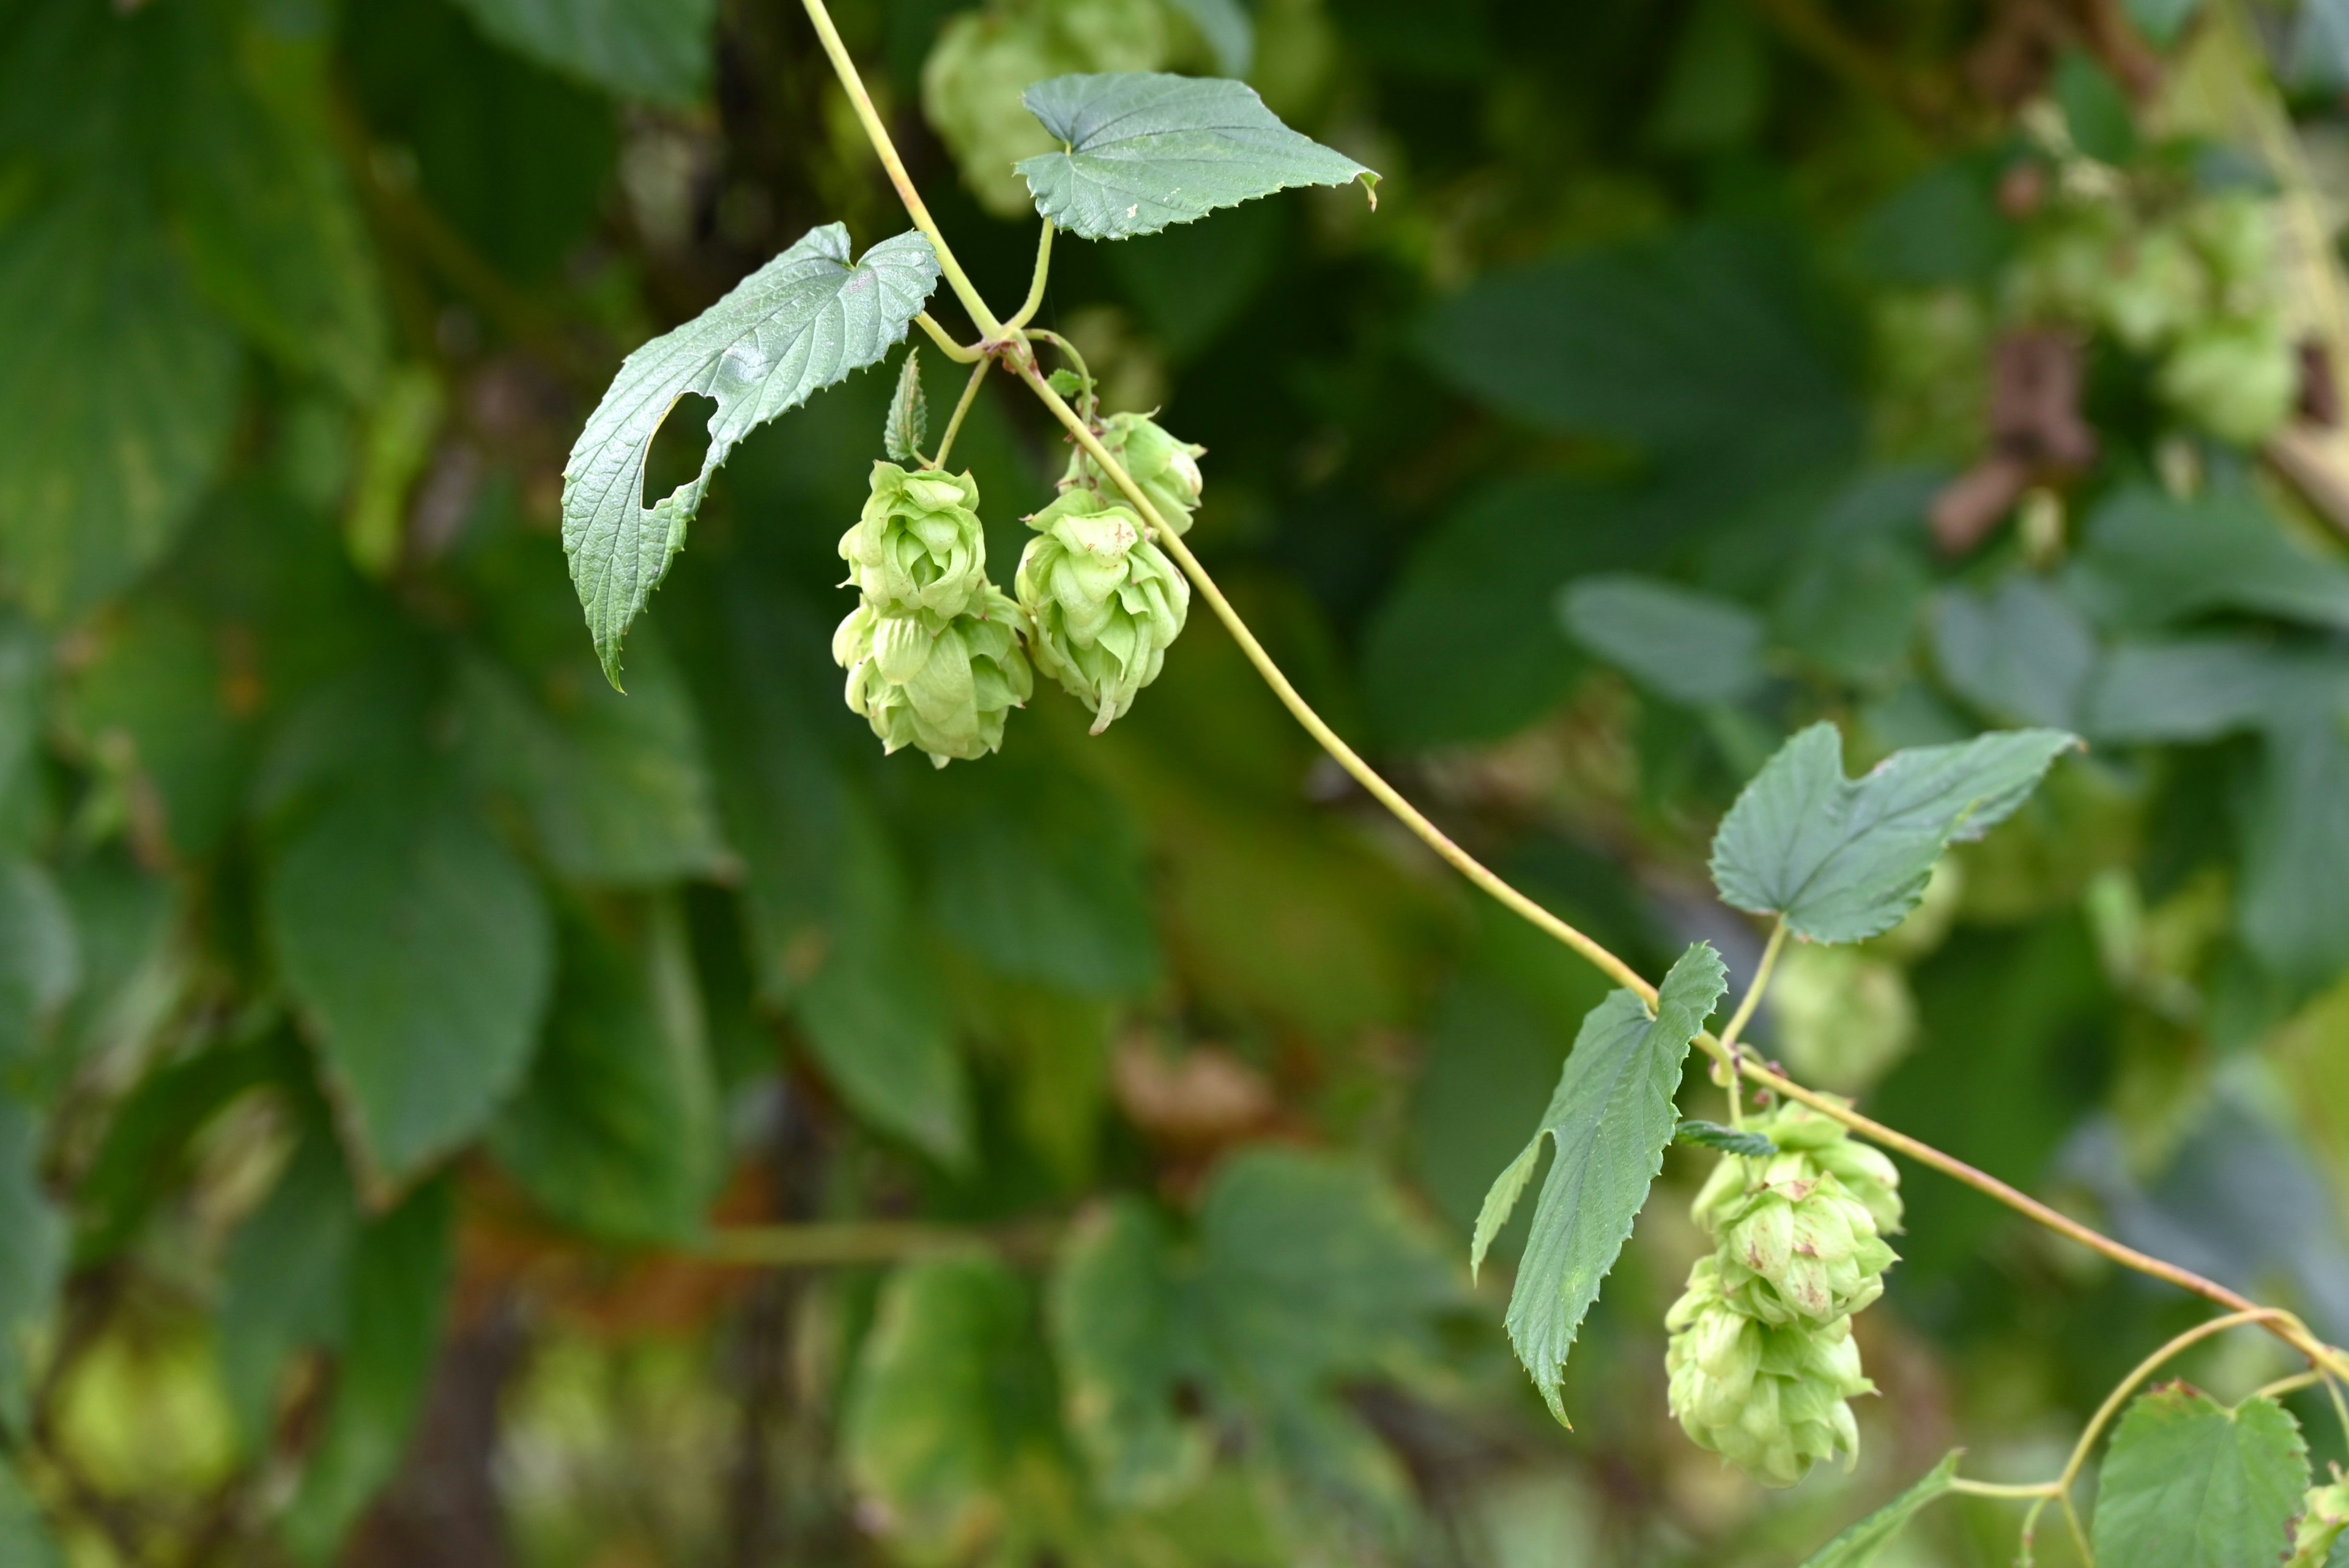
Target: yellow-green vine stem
1743, 1015
1035, 300
878, 134
1013, 348
945, 340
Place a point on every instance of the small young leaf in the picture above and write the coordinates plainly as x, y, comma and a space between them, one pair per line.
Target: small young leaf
1845, 859
909, 413
1863, 1543
1610, 1117
796, 326
2191, 1484
1728, 1141
1068, 383
1142, 150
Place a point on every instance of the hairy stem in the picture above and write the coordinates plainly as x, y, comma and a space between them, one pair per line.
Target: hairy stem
962, 407
1743, 1015
878, 134
1035, 300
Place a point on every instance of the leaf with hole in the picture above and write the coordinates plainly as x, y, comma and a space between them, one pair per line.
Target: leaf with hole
1609, 1118
1844, 859
1142, 150
2189, 1483
798, 325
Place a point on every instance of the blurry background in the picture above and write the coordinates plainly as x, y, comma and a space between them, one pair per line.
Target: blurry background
394, 1020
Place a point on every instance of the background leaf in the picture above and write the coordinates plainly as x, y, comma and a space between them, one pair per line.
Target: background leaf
1688, 646
1609, 1120
654, 50
1143, 150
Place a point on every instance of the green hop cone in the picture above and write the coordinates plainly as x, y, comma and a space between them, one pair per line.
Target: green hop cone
1801, 1233
942, 684
2323, 1518
1841, 1018
1105, 602
2157, 289
1772, 1400
2235, 234
918, 547
1165, 470
985, 60
2236, 378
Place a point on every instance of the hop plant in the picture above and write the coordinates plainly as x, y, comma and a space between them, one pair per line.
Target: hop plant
985, 60
1842, 1017
918, 547
942, 684
1772, 1399
1104, 601
1165, 470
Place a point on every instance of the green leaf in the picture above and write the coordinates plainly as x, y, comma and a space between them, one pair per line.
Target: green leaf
2191, 690
1229, 30
1845, 859
1123, 1343
2189, 1483
2096, 109
32, 1258
153, 695
422, 953
24, 1538
2148, 560
2022, 654
2292, 900
616, 1132
1863, 1544
873, 1015
2160, 20
1728, 1141
1692, 648
796, 326
659, 50
951, 1393
285, 1280
118, 395
401, 1269
1610, 1120
144, 1153
40, 958
909, 413
1147, 150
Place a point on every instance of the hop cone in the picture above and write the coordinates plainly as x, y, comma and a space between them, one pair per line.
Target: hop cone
1842, 1017
1165, 469
985, 60
918, 547
942, 684
1104, 601
1771, 1399
2236, 378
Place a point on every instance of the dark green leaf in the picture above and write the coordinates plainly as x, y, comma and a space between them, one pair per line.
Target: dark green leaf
118, 395
2191, 1484
1863, 1544
32, 1260
616, 1131
1842, 859
1728, 1141
909, 413
2096, 109
1143, 150
153, 695
285, 1280
1609, 1118
796, 326
40, 958
400, 1272
421, 952
654, 50
146, 1146
1122, 1337
2293, 903
2190, 690
1692, 648
2022, 654
2149, 560
2160, 20
1717, 84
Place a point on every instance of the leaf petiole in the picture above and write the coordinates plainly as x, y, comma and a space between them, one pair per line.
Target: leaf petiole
1035, 300
962, 407
1743, 1015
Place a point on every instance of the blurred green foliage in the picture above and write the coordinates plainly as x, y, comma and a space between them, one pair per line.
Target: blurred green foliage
399, 1026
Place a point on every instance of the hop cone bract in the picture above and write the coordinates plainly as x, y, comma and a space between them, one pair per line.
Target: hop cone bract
1165, 469
918, 545
942, 684
1771, 1399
